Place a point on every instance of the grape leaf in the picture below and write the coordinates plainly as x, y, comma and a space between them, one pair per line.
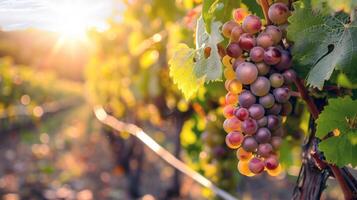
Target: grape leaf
341, 114
323, 43
182, 71
210, 67
218, 10
335, 5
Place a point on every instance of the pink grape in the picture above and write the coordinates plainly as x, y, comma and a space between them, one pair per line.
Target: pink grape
241, 113
256, 165
247, 41
246, 99
286, 61
249, 126
278, 13
252, 24
272, 56
257, 54
249, 144
234, 139
233, 50
275, 33
261, 86
265, 149
281, 95
271, 162
246, 73
263, 68
265, 40
256, 111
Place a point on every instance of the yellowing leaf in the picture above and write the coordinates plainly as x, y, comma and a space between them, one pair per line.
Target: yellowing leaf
182, 71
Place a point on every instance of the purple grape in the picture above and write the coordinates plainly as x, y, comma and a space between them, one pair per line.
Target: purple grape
287, 108
265, 40
275, 109
261, 86
241, 113
252, 24
256, 54
267, 101
256, 165
282, 95
275, 33
278, 13
263, 135
246, 99
271, 162
264, 150
236, 32
236, 63
263, 68
285, 62
233, 50
249, 144
247, 41
272, 56
256, 111
273, 122
246, 73
228, 27
262, 121
249, 126
289, 76
276, 80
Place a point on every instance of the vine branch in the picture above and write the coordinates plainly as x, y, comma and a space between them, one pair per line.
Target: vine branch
337, 173
265, 7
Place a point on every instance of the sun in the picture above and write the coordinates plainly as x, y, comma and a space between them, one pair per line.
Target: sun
72, 19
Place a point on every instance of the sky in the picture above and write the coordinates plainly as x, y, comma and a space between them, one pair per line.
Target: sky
54, 14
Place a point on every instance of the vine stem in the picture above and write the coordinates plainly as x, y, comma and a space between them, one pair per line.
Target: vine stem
265, 7
305, 96
337, 173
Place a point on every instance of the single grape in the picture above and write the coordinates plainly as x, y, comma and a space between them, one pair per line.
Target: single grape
246, 99
256, 111
261, 86
263, 135
287, 108
285, 62
263, 68
278, 13
265, 40
273, 122
243, 168
272, 56
275, 109
231, 124
237, 31
228, 27
233, 50
241, 113
262, 121
276, 80
249, 126
271, 162
246, 73
256, 54
228, 111
289, 76
278, 132
275, 33
226, 60
233, 86
267, 101
256, 165
276, 171
264, 150
234, 139
276, 142
281, 95
231, 98
249, 144
252, 24
247, 41
243, 155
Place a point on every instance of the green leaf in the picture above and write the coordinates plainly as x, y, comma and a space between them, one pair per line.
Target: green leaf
323, 43
218, 10
341, 114
335, 5
182, 71
210, 67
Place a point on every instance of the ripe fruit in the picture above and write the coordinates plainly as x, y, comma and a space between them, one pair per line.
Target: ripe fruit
257, 54
246, 73
243, 168
278, 13
249, 126
243, 155
234, 139
231, 124
228, 27
249, 144
256, 165
272, 56
247, 41
233, 50
252, 24
261, 86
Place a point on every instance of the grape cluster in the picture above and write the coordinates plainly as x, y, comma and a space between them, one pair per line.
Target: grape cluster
258, 79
